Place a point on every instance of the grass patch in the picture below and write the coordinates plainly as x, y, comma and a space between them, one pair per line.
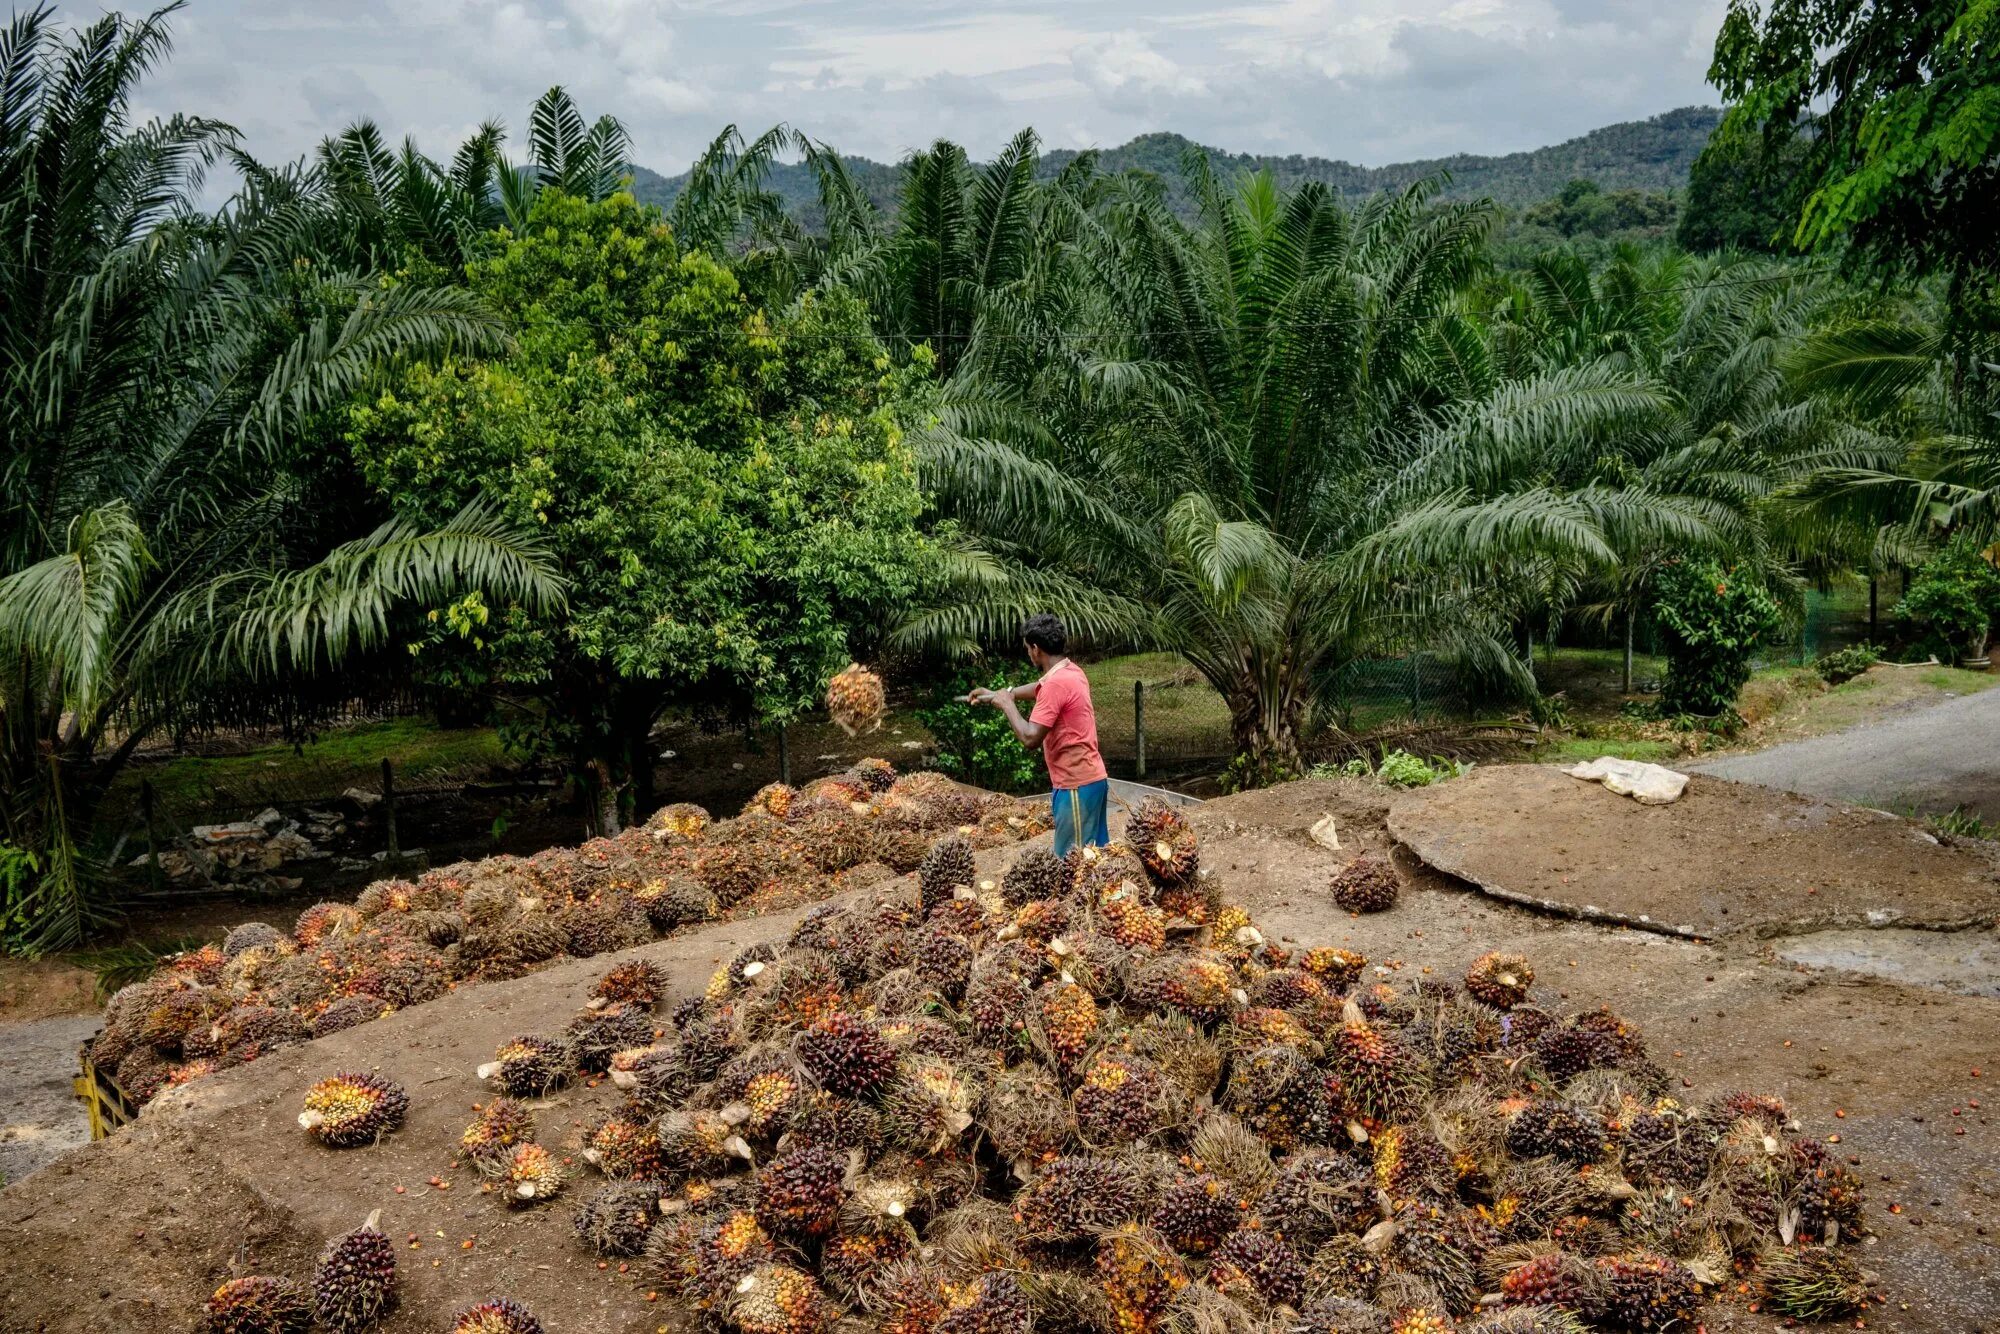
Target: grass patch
1575, 750
1185, 717
222, 787
1956, 680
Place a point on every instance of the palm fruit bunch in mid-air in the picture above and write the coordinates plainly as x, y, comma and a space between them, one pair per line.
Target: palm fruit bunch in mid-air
856, 700
984, 1099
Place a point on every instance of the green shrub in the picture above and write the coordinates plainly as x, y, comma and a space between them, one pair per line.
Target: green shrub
975, 743
1399, 768
1844, 664
1952, 600
1713, 622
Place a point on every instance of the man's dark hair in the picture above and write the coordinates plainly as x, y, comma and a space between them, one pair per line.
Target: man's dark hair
1045, 632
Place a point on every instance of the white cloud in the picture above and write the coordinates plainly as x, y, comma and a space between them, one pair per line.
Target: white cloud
1371, 81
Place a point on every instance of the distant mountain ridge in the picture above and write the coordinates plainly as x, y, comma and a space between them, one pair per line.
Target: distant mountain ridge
1651, 154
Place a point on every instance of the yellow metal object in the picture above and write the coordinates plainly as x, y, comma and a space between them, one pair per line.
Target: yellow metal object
108, 1105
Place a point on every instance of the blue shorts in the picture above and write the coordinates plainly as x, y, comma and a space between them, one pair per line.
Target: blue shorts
1080, 816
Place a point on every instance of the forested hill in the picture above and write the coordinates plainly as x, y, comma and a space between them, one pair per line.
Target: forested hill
1649, 154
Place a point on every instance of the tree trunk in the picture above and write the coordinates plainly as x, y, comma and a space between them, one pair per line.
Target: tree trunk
1629, 617
1265, 735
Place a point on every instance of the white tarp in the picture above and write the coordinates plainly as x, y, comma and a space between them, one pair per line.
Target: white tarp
1647, 783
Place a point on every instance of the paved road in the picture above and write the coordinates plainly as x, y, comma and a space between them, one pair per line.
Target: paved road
40, 1116
1930, 759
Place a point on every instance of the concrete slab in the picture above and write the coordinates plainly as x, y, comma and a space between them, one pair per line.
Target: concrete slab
1726, 859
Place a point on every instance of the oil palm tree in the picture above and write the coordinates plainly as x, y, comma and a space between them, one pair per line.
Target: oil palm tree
177, 548
1255, 441
1714, 336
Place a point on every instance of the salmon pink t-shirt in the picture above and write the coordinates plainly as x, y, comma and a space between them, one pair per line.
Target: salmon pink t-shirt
1063, 706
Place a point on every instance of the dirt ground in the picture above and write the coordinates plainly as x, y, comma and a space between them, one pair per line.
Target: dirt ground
214, 1181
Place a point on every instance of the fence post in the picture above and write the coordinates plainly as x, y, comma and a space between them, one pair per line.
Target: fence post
153, 875
1139, 726
1416, 686
1871, 607
389, 809
784, 756
1629, 617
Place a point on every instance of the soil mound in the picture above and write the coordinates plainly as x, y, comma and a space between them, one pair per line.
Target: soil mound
1726, 859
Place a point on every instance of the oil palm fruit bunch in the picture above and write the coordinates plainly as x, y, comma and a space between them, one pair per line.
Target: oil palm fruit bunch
856, 700
1422, 1320
799, 1193
993, 1303
699, 1142
528, 1067
618, 1218
1279, 1094
1035, 873
1131, 921
1140, 1275
623, 1149
846, 1055
1200, 984
1527, 1320
1828, 1196
1025, 1115
1646, 1291
1366, 884
258, 1305
596, 1033
930, 1102
776, 1299
350, 1109
1194, 1213
774, 799
1567, 1050
1122, 1099
355, 1283
1072, 1198
533, 1175
1336, 1313
1068, 1020
1538, 1275
1344, 1266
489, 1141
675, 900
1319, 1194
1811, 1283
637, 983
873, 773
1556, 1129
1379, 1077
250, 935
1164, 840
1499, 980
681, 820
1337, 969
946, 867
1410, 1161
1251, 1260
497, 1315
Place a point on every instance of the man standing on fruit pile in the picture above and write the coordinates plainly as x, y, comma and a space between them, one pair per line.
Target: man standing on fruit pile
1064, 725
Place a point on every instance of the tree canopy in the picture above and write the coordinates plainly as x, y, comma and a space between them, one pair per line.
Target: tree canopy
727, 491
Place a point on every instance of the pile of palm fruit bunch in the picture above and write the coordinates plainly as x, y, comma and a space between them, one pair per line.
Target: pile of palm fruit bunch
404, 942
1090, 1096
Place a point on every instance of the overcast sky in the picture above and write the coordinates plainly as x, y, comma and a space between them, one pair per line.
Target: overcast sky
1371, 81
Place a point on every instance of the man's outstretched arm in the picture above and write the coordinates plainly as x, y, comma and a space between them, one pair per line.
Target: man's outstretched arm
1031, 733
